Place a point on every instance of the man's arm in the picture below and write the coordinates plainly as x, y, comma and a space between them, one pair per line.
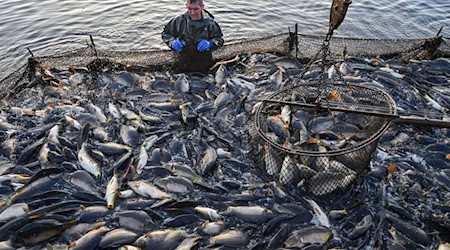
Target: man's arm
216, 35
169, 33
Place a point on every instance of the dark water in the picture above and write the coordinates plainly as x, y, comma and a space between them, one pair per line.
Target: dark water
48, 26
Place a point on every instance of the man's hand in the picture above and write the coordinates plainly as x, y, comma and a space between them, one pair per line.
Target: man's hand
178, 45
204, 45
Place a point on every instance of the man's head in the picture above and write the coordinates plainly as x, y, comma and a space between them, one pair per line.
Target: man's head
195, 9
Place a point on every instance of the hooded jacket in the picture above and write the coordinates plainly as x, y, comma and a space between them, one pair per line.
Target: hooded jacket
193, 31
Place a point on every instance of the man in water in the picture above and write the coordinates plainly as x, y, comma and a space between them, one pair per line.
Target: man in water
193, 36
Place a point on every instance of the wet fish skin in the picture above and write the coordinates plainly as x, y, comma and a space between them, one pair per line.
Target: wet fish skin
188, 243
309, 235
135, 220
147, 189
208, 213
98, 113
414, 233
231, 238
319, 213
29, 151
112, 190
250, 214
40, 231
89, 240
279, 237
129, 135
180, 220
175, 184
182, 84
220, 75
275, 222
208, 162
87, 163
362, 227
114, 111
112, 148
164, 239
13, 211
117, 237
213, 228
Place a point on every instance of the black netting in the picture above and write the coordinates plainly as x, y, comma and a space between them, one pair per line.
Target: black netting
320, 150
308, 46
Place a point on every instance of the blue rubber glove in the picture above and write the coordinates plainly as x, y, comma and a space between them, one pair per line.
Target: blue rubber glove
178, 45
204, 45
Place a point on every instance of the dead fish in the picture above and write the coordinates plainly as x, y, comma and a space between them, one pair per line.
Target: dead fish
77, 231
287, 63
213, 228
93, 213
112, 190
286, 114
183, 170
114, 111
72, 122
208, 162
84, 181
188, 243
362, 227
277, 126
320, 123
87, 163
208, 213
182, 84
129, 135
100, 134
309, 235
112, 148
147, 189
277, 77
319, 214
90, 239
13, 211
164, 239
414, 233
220, 75
232, 238
98, 113
117, 237
222, 99
40, 231
175, 184
338, 214
180, 220
135, 220
250, 214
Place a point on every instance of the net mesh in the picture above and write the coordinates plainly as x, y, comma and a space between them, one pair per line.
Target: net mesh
319, 150
308, 45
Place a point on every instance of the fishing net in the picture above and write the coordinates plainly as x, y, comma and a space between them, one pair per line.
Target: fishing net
320, 150
284, 44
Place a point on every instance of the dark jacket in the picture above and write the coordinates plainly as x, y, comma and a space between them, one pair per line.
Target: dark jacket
192, 32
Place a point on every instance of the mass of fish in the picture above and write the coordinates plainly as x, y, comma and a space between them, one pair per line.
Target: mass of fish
102, 159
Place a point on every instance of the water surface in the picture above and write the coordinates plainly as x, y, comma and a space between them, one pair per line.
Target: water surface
49, 26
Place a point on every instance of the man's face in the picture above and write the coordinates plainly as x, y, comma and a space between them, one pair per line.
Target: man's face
195, 10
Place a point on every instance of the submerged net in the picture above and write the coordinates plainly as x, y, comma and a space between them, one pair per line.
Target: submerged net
284, 44
319, 150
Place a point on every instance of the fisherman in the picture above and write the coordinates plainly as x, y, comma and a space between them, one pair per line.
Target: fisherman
193, 35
